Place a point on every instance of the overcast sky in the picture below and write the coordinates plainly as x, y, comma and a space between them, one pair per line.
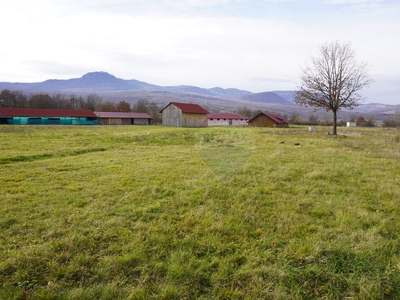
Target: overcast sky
256, 45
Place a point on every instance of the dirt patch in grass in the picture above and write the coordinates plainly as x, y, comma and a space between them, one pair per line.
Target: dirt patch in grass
16, 159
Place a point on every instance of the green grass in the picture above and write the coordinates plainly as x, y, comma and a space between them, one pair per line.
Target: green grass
131, 212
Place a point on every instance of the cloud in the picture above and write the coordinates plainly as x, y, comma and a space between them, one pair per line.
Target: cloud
370, 7
249, 44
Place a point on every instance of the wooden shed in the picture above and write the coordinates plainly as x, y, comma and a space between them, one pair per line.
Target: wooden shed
123, 118
35, 116
226, 119
268, 120
177, 114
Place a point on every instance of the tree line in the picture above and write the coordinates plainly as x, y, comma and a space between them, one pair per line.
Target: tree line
295, 118
392, 121
17, 99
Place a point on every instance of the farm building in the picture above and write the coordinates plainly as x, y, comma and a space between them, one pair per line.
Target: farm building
268, 120
31, 116
123, 118
225, 119
184, 115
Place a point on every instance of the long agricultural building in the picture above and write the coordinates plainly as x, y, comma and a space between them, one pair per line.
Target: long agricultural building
31, 116
123, 118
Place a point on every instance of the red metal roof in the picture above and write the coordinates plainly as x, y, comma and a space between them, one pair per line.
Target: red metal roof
277, 118
188, 108
122, 115
225, 116
36, 112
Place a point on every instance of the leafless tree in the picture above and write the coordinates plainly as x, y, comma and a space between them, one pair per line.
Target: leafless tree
361, 121
154, 110
21, 98
7, 99
248, 112
332, 80
13, 99
244, 111
397, 118
142, 105
41, 100
107, 106
313, 119
92, 102
370, 120
123, 106
60, 101
76, 102
393, 121
294, 117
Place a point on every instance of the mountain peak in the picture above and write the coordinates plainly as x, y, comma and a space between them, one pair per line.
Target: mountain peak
99, 75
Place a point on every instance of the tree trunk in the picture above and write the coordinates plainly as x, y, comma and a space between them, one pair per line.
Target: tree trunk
334, 122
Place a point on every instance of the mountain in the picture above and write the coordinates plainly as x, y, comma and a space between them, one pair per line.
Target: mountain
230, 92
95, 81
105, 82
267, 97
188, 89
288, 95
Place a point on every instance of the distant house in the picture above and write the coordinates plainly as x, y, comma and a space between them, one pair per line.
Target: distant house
226, 119
177, 114
268, 120
351, 124
123, 118
32, 116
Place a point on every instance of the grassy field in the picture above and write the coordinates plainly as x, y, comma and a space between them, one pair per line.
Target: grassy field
134, 212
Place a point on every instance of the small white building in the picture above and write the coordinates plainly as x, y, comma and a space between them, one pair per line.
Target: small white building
351, 124
226, 119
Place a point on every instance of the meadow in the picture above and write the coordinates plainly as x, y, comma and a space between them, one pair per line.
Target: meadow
148, 212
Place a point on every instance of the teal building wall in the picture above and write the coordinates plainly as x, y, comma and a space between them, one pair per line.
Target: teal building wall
48, 121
